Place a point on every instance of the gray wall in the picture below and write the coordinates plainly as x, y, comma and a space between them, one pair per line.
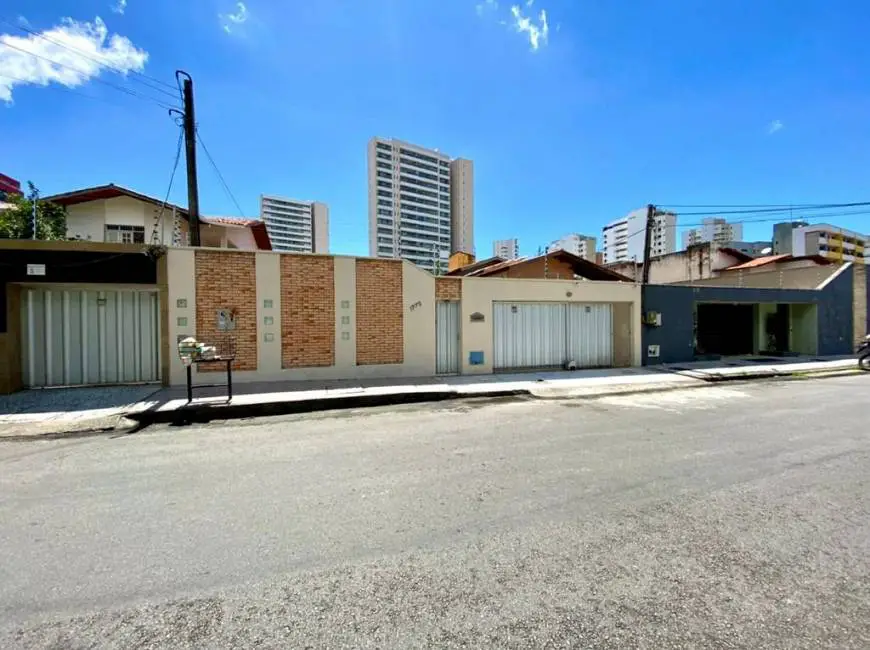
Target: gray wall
867, 271
676, 305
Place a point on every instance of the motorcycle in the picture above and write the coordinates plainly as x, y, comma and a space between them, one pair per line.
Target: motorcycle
864, 354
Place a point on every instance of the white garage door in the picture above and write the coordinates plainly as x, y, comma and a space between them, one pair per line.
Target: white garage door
447, 338
548, 335
74, 337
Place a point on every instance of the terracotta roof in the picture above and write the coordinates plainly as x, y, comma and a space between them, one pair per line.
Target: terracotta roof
258, 228
776, 259
109, 191
582, 267
759, 261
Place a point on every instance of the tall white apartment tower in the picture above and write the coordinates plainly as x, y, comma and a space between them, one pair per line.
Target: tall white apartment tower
507, 249
421, 203
296, 226
623, 239
717, 231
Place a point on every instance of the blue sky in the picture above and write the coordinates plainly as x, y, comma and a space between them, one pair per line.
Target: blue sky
621, 103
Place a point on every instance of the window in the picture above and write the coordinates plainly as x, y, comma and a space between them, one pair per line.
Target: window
125, 234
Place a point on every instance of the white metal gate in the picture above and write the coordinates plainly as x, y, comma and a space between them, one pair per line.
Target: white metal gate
447, 342
590, 335
73, 337
548, 335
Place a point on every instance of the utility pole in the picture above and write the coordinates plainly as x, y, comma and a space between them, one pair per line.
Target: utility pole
189, 123
647, 241
33, 200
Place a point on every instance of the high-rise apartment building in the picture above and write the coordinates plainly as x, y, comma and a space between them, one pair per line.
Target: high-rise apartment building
715, 231
579, 245
296, 226
624, 238
831, 242
421, 204
508, 249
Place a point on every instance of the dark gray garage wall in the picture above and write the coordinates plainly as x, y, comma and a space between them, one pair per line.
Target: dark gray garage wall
676, 305
867, 272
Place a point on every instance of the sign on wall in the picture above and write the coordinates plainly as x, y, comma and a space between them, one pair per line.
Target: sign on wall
226, 320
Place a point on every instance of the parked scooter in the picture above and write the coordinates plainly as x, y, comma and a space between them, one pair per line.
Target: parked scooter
864, 354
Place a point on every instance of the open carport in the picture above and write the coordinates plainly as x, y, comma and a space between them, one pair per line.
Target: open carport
708, 321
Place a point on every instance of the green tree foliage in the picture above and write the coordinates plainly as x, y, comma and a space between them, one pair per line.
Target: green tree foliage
16, 222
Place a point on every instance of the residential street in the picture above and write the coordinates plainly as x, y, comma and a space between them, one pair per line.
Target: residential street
733, 516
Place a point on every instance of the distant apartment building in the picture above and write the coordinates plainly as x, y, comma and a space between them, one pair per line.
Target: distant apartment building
831, 242
624, 238
296, 226
421, 204
715, 230
507, 249
579, 245
782, 236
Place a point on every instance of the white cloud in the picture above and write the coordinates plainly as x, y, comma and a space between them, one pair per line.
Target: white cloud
537, 31
775, 126
486, 5
120, 7
60, 62
229, 21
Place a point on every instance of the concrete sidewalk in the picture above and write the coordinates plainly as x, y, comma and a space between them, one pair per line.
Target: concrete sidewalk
64, 412
257, 399
70, 411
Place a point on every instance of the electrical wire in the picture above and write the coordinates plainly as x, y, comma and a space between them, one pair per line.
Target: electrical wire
765, 219
128, 91
101, 62
778, 209
159, 220
220, 176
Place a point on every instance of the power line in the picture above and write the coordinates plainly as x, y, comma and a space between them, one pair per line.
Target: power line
220, 176
159, 220
128, 91
779, 209
762, 219
735, 205
101, 62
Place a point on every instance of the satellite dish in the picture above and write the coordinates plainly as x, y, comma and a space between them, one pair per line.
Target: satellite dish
766, 251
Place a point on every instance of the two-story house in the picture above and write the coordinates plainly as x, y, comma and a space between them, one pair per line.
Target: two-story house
111, 213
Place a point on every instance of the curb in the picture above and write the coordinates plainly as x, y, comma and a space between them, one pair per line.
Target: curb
123, 426
200, 413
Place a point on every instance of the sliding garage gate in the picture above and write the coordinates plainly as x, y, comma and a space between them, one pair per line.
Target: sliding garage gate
73, 337
550, 335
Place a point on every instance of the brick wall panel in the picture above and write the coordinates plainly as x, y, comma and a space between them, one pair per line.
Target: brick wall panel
448, 289
379, 312
307, 311
227, 280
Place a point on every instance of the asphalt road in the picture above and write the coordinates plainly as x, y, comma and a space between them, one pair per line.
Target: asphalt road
732, 517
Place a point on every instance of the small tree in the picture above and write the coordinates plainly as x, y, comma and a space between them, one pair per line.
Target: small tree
16, 222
